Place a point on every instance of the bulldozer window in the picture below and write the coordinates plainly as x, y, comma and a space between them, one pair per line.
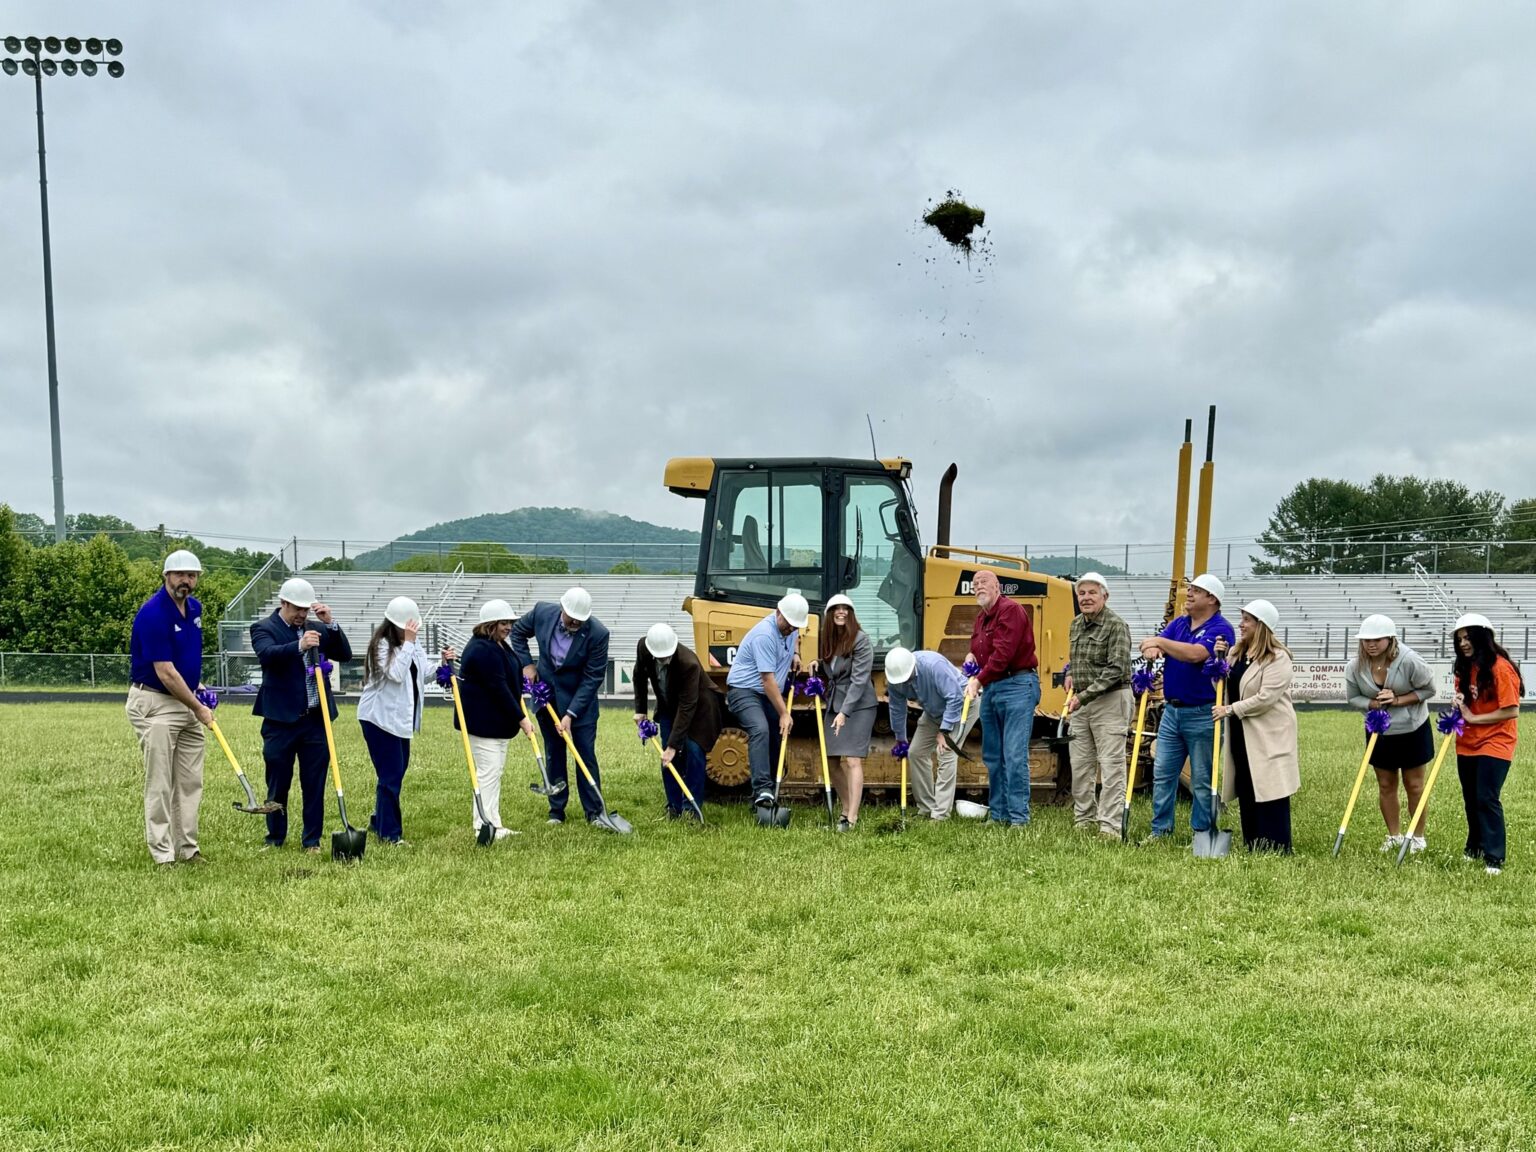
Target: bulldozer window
879, 568
767, 533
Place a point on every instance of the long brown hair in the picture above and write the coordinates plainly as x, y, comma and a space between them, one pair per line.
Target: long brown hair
837, 641
1258, 645
389, 632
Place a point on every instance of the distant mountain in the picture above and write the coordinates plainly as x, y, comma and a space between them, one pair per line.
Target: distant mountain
648, 547
1070, 566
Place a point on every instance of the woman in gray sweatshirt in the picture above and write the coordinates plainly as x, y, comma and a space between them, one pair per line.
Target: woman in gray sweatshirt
1386, 673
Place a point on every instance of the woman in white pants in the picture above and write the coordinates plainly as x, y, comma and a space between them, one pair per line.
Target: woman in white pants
490, 689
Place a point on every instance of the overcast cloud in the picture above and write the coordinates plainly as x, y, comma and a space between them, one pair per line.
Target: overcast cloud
350, 269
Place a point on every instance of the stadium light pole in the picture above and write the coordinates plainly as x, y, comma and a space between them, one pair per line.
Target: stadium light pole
48, 56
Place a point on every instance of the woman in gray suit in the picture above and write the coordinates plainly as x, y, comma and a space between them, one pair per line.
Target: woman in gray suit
847, 661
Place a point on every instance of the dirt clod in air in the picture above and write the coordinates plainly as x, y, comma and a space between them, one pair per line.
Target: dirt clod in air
955, 220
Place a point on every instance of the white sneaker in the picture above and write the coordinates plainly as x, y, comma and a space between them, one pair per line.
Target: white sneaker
1417, 844
1493, 869
1391, 843
503, 833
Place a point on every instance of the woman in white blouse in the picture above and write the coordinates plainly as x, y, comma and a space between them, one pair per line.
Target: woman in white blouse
394, 680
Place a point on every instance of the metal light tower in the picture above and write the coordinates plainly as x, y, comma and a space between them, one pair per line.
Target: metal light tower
48, 56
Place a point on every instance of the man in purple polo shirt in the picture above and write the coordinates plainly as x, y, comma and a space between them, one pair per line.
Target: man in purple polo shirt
1187, 729
166, 667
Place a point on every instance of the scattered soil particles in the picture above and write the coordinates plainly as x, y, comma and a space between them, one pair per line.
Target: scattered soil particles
955, 220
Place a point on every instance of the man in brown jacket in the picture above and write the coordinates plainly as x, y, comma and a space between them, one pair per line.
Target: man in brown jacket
689, 709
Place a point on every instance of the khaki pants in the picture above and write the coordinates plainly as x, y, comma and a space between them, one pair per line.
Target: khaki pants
172, 742
931, 767
1098, 756
490, 759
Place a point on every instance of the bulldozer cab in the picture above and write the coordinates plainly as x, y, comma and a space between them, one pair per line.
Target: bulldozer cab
817, 527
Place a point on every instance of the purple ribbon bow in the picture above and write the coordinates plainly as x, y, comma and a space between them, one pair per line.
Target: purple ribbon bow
1451, 722
813, 687
543, 695
970, 668
324, 668
444, 674
1217, 668
1377, 721
208, 698
1141, 680
648, 730
900, 748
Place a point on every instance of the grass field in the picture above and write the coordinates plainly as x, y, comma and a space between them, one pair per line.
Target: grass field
953, 986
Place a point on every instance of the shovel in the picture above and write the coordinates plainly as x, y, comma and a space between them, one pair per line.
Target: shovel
900, 749
776, 816
826, 777
1213, 843
612, 821
1451, 725
348, 844
672, 768
545, 788
1130, 777
486, 833
250, 807
1377, 721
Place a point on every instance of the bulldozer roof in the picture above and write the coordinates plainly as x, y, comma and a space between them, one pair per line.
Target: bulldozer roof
693, 475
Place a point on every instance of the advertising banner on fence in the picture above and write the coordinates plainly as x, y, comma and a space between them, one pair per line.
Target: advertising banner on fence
1322, 682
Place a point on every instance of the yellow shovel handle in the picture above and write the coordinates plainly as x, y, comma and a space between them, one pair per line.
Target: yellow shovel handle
469, 755
1141, 726
218, 734
1221, 691
965, 710
538, 748
1354, 793
821, 739
903, 783
672, 768
571, 744
789, 706
325, 717
1429, 784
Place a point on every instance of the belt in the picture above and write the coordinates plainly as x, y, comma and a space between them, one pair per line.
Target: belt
150, 688
1190, 703
1018, 672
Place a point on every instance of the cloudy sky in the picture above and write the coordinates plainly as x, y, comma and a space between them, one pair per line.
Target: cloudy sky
349, 269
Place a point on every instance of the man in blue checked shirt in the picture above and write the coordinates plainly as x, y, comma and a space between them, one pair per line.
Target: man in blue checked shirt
755, 687
937, 687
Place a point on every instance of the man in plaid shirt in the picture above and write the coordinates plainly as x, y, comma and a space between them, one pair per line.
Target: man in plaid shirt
1099, 702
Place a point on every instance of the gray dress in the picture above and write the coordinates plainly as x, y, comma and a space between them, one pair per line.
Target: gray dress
851, 692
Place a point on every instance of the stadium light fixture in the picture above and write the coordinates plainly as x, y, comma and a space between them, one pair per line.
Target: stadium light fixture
39, 58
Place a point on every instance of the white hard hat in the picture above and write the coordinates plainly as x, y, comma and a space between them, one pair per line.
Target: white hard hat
577, 603
1472, 620
661, 641
1094, 578
1377, 627
494, 610
181, 561
899, 665
795, 610
1210, 584
401, 611
297, 591
837, 600
1264, 611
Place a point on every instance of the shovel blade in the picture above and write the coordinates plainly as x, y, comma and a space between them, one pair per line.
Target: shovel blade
348, 845
776, 816
613, 822
1125, 825
1212, 844
270, 808
539, 789
486, 834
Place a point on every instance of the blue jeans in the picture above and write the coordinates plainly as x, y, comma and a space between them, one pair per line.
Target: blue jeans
1185, 731
391, 756
690, 766
1007, 722
754, 713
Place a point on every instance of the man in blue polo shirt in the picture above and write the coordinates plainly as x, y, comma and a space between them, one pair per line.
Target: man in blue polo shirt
166, 667
756, 684
1189, 692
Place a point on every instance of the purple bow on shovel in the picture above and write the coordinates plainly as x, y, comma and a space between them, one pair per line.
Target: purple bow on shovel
1377, 721
813, 687
1451, 722
444, 674
649, 730
1217, 668
900, 748
970, 668
208, 698
1141, 680
541, 694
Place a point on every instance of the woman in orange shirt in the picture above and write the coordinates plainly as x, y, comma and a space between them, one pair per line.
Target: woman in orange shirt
1488, 691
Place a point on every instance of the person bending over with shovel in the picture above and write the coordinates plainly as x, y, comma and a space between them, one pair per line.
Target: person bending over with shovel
489, 687
166, 667
930, 681
688, 711
573, 660
288, 646
755, 686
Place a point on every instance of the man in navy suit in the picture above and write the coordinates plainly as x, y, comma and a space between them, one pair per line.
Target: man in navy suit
573, 659
289, 647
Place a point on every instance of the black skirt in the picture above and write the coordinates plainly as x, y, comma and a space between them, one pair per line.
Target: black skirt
1395, 751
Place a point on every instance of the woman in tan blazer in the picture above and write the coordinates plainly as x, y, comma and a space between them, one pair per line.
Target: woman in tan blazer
1260, 765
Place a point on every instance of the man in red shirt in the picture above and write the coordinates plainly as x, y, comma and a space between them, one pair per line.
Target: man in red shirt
1003, 646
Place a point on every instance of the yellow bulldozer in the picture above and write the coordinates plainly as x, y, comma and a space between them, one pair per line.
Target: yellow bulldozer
824, 526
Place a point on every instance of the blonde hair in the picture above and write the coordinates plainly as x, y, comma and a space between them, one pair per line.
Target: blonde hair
1364, 660
1258, 645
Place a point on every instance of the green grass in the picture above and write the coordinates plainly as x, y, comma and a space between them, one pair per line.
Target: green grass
955, 986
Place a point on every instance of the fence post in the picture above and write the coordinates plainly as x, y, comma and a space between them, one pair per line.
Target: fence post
2, 661
1127, 568
1383, 557
1075, 564
1434, 558
1327, 641
93, 669
1487, 557
343, 558
1229, 559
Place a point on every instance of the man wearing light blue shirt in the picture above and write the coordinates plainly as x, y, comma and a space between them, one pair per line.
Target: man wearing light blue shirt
937, 687
755, 687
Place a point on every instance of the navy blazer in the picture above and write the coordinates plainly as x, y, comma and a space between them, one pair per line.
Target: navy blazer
579, 678
283, 696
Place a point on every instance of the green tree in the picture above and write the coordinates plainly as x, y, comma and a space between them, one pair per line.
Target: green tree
625, 568
333, 564
15, 563
1518, 527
